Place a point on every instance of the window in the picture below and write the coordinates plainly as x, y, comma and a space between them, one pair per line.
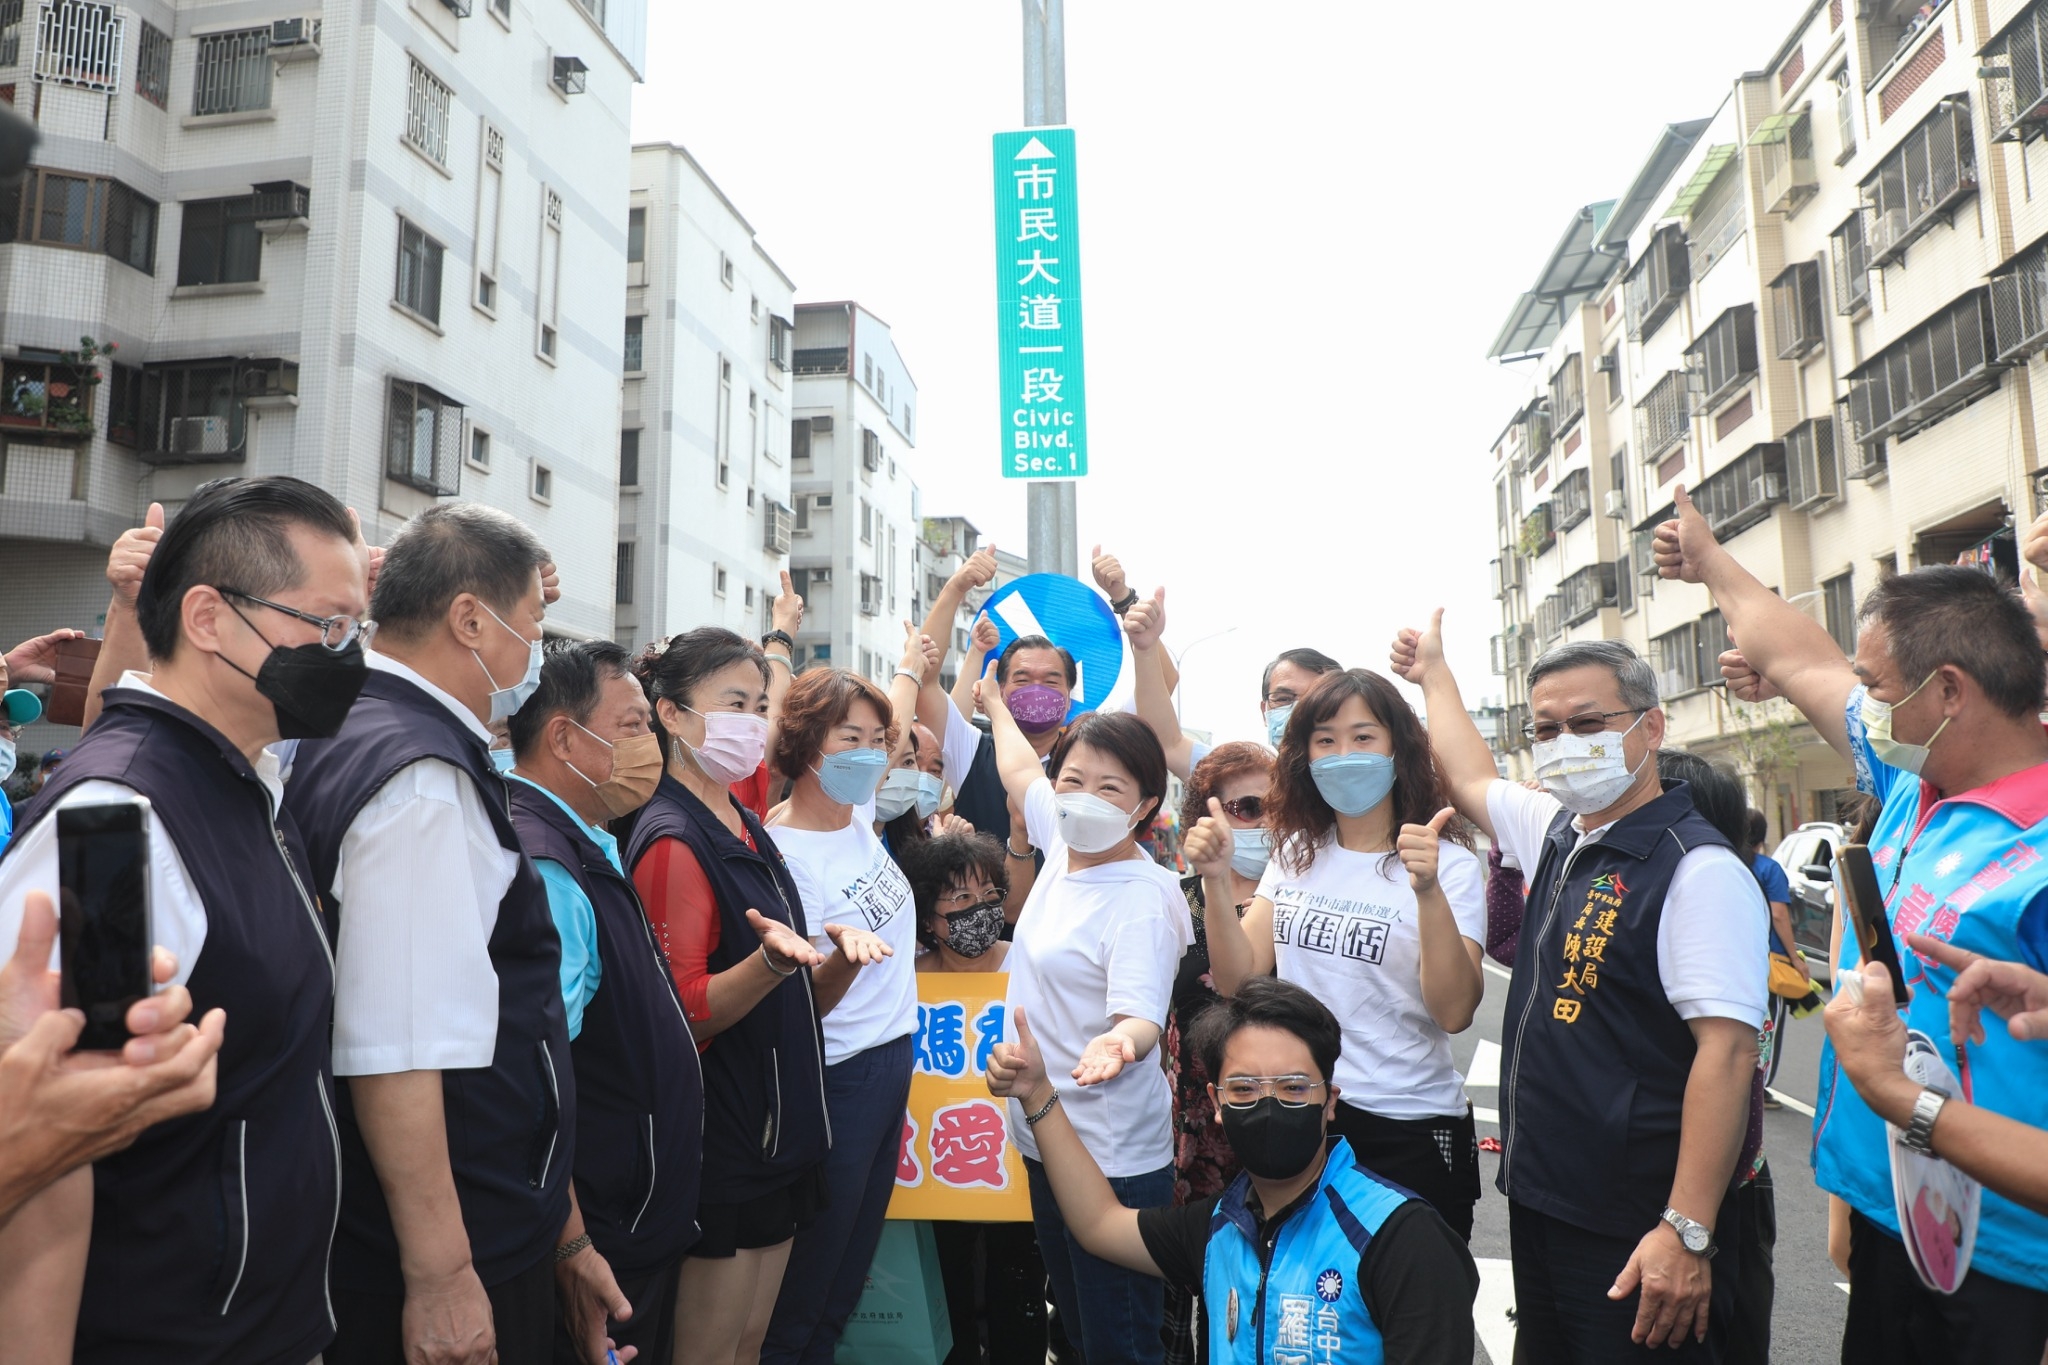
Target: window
547, 295
1838, 600
231, 72
419, 272
41, 392
779, 332
1796, 309
1675, 657
1783, 144
1712, 641
1657, 281
571, 76
636, 235
427, 102
622, 576
800, 443
718, 579
541, 487
725, 270
1624, 586
634, 332
754, 308
124, 405
1611, 364
1845, 113
1927, 374
1582, 594
1741, 494
503, 9
2016, 77
629, 458
1661, 418
1568, 393
78, 42
1617, 481
218, 242
490, 209
750, 597
191, 413
1811, 470
1932, 168
1724, 358
867, 522
1573, 502
480, 449
1851, 252
2019, 304
84, 212
1717, 219
422, 438
153, 66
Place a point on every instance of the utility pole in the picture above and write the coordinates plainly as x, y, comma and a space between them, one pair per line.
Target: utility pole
1053, 543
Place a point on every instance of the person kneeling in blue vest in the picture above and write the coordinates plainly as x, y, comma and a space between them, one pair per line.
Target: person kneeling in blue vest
1351, 1267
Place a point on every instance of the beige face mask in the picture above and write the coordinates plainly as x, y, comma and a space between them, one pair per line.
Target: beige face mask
636, 771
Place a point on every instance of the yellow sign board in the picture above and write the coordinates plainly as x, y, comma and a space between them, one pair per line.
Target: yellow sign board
956, 1161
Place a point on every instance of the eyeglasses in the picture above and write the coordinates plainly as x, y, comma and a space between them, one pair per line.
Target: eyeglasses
336, 632
952, 917
957, 897
1294, 1092
1246, 807
1587, 723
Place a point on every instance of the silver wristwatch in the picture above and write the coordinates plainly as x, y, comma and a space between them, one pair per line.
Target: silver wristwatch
1919, 1134
1694, 1236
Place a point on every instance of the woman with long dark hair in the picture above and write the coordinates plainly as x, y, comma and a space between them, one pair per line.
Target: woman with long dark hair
1375, 901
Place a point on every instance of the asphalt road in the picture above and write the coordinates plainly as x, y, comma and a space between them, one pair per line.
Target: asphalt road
1807, 1315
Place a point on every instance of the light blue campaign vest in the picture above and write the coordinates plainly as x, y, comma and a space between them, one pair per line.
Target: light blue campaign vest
1304, 1306
1967, 878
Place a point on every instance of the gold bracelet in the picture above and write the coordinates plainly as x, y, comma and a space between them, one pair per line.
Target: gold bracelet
569, 1249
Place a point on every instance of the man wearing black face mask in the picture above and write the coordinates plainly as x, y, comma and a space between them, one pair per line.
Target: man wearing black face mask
250, 610
1306, 1254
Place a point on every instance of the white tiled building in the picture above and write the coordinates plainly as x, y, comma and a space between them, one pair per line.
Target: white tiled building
854, 549
704, 518
382, 250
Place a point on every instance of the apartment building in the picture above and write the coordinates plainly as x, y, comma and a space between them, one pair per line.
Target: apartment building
1822, 312
383, 251
704, 509
944, 545
855, 530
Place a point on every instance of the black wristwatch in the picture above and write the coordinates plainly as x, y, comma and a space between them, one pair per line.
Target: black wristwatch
779, 637
1121, 607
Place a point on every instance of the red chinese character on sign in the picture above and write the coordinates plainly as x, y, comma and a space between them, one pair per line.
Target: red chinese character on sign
967, 1144
907, 1170
1943, 925
1913, 910
2019, 857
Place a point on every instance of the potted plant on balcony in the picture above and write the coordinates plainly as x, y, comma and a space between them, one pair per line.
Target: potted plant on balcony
69, 407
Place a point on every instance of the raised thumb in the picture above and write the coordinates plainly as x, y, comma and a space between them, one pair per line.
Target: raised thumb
155, 516
1442, 818
1681, 499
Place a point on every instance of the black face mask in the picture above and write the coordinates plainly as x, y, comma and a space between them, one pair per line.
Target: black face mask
310, 687
1272, 1141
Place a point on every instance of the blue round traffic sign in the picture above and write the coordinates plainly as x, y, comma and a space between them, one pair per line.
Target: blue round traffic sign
1071, 615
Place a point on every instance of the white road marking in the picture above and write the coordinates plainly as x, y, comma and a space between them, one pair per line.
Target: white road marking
1485, 1115
1485, 1068
1842, 1285
1490, 1309
1498, 970
1790, 1103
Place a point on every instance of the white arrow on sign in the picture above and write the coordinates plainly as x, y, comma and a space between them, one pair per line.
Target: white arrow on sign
1033, 150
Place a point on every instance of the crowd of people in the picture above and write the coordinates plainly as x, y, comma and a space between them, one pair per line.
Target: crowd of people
521, 1001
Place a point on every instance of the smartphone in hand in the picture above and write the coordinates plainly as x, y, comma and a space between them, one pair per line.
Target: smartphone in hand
1867, 917
104, 931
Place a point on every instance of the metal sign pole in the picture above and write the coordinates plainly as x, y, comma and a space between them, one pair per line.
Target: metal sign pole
1052, 541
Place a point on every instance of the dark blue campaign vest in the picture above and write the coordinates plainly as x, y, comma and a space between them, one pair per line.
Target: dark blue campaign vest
1595, 1061
764, 1078
511, 1129
639, 1089
210, 1235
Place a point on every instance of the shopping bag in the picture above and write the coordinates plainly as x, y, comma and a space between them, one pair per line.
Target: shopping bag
901, 1317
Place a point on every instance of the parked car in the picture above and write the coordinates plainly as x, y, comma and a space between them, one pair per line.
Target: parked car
1808, 856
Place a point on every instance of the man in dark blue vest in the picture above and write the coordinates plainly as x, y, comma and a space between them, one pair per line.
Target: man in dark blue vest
587, 753
458, 1108
210, 1236
1630, 1037
1307, 1255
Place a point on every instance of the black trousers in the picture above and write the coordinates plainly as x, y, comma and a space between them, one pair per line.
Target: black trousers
652, 1327
994, 1277
1437, 1158
1749, 1336
1896, 1320
369, 1327
1563, 1272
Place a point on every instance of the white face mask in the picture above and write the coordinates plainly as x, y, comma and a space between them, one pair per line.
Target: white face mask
1089, 824
1586, 773
1877, 728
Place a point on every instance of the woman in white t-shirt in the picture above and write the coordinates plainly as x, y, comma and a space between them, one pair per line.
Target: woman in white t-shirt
834, 744
1092, 969
1366, 906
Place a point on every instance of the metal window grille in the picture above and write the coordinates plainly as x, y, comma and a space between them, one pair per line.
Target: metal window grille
1573, 501
1568, 393
1658, 281
2015, 70
1850, 248
622, 594
231, 72
1927, 374
1583, 594
78, 42
1811, 469
1718, 220
427, 103
10, 31
635, 343
1741, 494
1838, 599
1786, 156
2019, 306
423, 439
1662, 417
1932, 168
1675, 657
153, 66
1796, 310
191, 414
1724, 358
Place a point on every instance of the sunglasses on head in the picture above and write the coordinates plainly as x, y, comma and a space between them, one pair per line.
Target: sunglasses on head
1246, 807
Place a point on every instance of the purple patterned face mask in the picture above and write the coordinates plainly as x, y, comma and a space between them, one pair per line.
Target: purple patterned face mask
1037, 708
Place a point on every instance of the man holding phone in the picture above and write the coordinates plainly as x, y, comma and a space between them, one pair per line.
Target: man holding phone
1939, 713
251, 611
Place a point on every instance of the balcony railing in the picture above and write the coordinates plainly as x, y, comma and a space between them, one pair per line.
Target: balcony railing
1797, 319
1573, 501
1739, 496
1931, 170
78, 42
1662, 418
1784, 146
1584, 593
1850, 249
231, 72
2015, 72
2019, 305
1723, 359
1932, 371
1568, 393
1657, 282
41, 394
1811, 469
1538, 532
1860, 459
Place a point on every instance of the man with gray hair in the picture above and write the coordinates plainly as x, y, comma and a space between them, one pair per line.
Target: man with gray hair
1629, 1041
456, 1097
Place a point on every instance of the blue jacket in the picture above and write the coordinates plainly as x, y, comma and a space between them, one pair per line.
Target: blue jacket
1295, 1299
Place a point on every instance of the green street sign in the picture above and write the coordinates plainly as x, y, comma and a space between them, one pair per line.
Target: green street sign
1038, 306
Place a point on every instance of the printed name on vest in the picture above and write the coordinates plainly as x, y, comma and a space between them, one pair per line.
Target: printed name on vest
1585, 946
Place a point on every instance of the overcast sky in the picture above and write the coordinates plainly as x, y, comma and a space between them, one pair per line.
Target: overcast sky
1302, 226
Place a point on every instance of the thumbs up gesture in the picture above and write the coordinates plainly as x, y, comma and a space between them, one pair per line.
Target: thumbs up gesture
1016, 1068
1418, 847
1683, 545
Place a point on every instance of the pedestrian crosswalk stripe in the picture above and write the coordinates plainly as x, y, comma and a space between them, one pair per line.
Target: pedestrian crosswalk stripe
1491, 1308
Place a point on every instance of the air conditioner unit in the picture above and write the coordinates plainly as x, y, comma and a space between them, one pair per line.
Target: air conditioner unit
1766, 488
821, 426
259, 379
292, 39
1615, 504
1888, 228
820, 577
198, 436
1606, 364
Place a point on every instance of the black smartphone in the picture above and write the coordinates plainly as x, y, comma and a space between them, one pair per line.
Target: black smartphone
1867, 916
103, 882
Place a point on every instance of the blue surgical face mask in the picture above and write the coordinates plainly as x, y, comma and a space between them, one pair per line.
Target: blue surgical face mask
507, 700
7, 758
1353, 783
502, 759
1276, 722
1254, 847
851, 775
907, 789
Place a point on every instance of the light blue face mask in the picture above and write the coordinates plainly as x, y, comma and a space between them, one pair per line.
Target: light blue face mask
1353, 783
505, 701
1276, 722
1254, 848
851, 775
905, 789
502, 759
